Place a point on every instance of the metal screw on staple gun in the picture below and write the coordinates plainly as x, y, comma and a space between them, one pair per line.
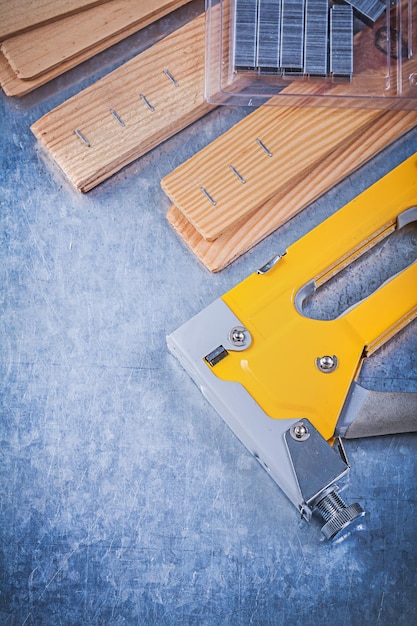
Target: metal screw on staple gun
336, 514
237, 336
299, 432
327, 363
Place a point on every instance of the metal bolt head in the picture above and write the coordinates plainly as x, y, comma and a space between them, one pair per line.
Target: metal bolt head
299, 432
237, 336
327, 363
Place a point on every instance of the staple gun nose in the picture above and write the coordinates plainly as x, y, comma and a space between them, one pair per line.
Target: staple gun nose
287, 384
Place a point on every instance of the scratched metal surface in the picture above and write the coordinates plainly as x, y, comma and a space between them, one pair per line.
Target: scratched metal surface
124, 497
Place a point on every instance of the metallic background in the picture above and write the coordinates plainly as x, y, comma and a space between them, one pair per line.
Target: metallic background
124, 497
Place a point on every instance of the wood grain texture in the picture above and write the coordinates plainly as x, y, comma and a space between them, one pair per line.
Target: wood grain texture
18, 16
297, 138
361, 146
112, 145
14, 86
47, 47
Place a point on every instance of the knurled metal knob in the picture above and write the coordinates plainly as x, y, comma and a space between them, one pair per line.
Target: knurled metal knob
337, 515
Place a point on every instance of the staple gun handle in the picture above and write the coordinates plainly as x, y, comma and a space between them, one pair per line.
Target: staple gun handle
326, 356
381, 315
369, 413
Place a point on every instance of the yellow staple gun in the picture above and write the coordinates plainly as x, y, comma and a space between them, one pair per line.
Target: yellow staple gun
285, 383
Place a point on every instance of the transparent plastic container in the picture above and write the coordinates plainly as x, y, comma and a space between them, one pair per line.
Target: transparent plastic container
363, 61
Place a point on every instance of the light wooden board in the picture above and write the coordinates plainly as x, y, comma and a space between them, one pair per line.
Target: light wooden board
14, 86
297, 193
111, 145
361, 146
297, 138
47, 47
18, 16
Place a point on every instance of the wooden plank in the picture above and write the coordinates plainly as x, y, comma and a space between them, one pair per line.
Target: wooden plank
298, 192
149, 104
214, 198
47, 47
14, 86
361, 146
18, 16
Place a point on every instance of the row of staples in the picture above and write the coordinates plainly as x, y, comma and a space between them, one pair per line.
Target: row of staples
298, 36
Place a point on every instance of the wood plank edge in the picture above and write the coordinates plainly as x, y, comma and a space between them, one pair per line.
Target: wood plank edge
211, 234
15, 87
363, 145
86, 53
20, 31
86, 184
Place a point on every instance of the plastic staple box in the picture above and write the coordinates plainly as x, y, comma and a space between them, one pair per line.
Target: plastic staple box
350, 53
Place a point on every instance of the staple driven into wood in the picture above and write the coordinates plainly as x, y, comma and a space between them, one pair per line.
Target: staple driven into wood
81, 136
264, 148
236, 173
146, 101
296, 139
117, 118
208, 196
129, 111
290, 197
171, 77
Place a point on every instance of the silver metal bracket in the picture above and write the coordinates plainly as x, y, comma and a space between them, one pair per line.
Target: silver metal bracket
317, 467
270, 264
316, 464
